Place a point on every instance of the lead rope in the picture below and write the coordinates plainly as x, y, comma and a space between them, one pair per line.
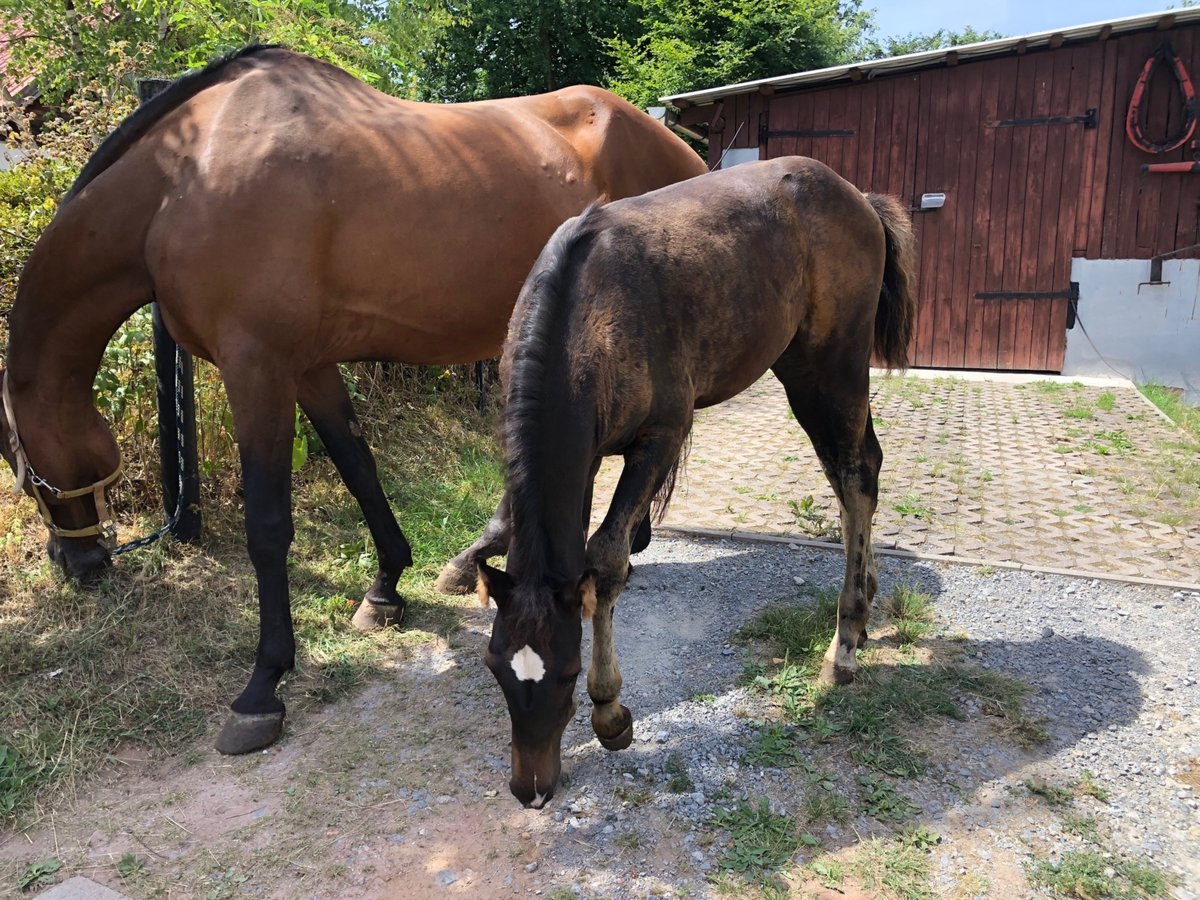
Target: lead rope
171, 522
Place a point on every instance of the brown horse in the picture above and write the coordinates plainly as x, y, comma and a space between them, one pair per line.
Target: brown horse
636, 314
287, 217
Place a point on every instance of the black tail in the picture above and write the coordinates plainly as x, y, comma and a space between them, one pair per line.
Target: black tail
897, 311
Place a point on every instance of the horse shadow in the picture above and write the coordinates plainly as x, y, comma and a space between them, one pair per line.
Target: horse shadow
685, 672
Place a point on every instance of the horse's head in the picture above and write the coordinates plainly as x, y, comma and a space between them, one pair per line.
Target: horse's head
77, 517
534, 654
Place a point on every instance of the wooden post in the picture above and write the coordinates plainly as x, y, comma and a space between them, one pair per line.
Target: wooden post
187, 528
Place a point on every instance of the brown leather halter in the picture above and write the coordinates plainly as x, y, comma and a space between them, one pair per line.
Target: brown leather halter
105, 527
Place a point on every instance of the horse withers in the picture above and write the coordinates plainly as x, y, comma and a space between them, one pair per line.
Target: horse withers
636, 314
287, 217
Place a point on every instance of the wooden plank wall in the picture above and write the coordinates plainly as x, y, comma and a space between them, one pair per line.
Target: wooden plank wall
1021, 201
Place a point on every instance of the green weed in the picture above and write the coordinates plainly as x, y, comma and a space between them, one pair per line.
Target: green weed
882, 801
911, 505
1088, 874
897, 866
1052, 794
39, 874
760, 839
1106, 401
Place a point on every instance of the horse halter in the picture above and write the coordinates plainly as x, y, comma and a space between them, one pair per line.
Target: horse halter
105, 527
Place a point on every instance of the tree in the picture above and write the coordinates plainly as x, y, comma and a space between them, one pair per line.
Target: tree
692, 44
491, 48
68, 43
915, 43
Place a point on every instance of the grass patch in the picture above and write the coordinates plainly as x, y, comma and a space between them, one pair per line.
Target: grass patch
680, 782
152, 654
776, 748
1089, 787
1088, 874
1170, 401
1106, 401
893, 868
882, 801
873, 712
1079, 411
760, 840
1051, 794
911, 505
912, 616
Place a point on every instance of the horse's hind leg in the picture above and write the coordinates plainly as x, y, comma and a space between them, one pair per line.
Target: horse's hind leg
460, 574
262, 397
325, 401
647, 465
834, 409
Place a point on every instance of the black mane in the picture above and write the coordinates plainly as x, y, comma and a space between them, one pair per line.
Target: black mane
540, 330
148, 114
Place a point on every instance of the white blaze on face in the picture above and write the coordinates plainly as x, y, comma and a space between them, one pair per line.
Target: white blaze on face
528, 665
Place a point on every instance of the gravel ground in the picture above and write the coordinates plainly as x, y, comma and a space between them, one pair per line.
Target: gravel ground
402, 790
1113, 670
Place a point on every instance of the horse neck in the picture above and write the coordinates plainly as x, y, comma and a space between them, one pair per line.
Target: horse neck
550, 458
60, 326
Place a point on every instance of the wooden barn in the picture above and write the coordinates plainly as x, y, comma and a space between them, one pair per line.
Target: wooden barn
1020, 152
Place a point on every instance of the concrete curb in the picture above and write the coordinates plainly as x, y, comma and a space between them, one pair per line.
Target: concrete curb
762, 537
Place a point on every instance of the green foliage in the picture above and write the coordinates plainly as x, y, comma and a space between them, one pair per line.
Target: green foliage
899, 866
16, 778
1088, 875
776, 747
39, 874
760, 839
491, 49
704, 43
914, 43
881, 800
69, 44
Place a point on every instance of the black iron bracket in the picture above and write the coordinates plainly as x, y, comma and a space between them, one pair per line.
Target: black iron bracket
1090, 119
1071, 295
764, 134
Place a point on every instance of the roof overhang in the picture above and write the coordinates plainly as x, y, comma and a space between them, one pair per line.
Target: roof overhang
946, 56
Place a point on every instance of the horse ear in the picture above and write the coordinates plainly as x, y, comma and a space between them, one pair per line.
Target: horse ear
586, 592
492, 584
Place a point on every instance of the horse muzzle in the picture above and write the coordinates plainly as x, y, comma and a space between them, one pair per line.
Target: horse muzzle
80, 559
535, 774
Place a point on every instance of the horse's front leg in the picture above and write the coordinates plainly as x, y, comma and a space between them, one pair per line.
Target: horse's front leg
460, 574
263, 401
647, 465
325, 401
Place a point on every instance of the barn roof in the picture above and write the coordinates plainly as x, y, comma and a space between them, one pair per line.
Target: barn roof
948, 55
11, 86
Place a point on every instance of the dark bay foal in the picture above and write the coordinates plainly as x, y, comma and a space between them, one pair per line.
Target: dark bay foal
636, 314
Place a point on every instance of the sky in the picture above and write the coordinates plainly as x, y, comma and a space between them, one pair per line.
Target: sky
1009, 17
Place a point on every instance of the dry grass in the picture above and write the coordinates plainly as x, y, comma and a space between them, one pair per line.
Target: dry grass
152, 655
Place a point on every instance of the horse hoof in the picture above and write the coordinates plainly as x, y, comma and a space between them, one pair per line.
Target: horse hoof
831, 673
621, 730
454, 580
244, 733
371, 616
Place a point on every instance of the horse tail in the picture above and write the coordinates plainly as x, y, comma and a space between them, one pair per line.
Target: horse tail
896, 315
146, 116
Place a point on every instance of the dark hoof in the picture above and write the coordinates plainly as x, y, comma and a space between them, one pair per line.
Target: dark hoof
371, 616
835, 674
621, 730
454, 580
246, 733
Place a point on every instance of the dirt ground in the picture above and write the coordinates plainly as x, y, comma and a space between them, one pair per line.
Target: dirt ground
401, 791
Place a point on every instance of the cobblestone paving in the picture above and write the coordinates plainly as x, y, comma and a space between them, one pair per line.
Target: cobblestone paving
1048, 473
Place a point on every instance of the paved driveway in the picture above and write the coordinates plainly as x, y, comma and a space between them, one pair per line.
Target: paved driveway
1051, 474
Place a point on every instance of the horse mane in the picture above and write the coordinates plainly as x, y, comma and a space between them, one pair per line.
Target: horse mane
150, 113
538, 329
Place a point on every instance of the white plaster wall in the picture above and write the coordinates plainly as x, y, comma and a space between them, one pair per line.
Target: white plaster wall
1146, 332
